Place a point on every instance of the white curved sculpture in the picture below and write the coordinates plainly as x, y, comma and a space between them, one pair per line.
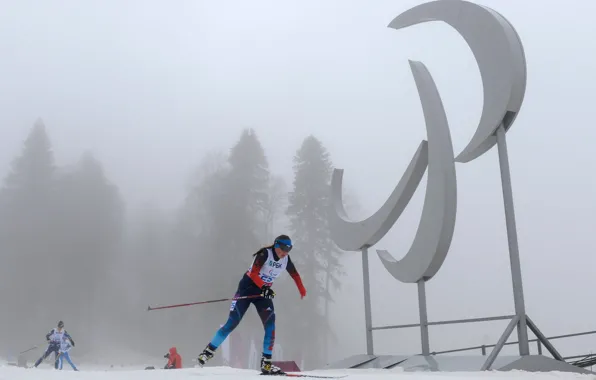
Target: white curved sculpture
501, 61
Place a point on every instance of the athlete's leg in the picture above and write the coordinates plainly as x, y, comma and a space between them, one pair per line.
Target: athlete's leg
56, 356
43, 356
67, 357
47, 353
266, 311
237, 310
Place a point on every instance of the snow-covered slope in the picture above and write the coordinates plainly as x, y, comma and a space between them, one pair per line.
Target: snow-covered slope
226, 373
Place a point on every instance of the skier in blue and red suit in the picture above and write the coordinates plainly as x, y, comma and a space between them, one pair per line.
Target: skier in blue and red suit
268, 264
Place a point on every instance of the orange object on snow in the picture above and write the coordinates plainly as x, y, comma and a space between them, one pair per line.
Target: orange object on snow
174, 359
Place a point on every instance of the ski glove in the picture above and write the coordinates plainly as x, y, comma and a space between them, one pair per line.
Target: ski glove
267, 292
302, 292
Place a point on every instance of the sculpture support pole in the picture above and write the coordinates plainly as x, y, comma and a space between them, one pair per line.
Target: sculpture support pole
423, 318
518, 290
327, 275
367, 304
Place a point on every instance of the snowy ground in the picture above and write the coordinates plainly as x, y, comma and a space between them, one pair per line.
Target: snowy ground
226, 373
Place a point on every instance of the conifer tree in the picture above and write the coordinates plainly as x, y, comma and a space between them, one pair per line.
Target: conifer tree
28, 188
88, 224
229, 208
248, 182
26, 234
248, 202
315, 254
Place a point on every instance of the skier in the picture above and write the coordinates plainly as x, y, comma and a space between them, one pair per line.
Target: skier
65, 346
269, 262
54, 338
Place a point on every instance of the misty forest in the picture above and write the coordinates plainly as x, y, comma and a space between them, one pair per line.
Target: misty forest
73, 250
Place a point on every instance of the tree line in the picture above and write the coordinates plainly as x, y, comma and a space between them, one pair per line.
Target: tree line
72, 250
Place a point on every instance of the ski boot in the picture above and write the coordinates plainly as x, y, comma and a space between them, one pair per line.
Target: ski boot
267, 368
204, 356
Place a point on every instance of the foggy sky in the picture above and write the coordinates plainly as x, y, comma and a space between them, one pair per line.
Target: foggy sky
142, 83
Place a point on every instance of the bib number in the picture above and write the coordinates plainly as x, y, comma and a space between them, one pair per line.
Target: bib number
266, 278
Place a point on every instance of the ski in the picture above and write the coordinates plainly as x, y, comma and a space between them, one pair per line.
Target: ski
306, 375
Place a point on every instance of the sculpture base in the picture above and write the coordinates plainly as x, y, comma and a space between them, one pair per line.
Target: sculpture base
447, 363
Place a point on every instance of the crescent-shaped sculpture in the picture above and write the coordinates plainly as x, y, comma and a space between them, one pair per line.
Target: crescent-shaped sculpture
437, 223
499, 53
435, 230
353, 236
501, 61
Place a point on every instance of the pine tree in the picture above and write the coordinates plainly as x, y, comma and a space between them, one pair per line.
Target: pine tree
154, 270
199, 232
228, 208
248, 182
248, 202
26, 234
233, 202
315, 254
275, 211
27, 190
89, 218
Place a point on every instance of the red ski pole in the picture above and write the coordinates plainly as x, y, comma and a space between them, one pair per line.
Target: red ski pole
149, 308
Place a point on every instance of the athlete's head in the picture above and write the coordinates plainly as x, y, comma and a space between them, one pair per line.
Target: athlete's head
60, 324
282, 245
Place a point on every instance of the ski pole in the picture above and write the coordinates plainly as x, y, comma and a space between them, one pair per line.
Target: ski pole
149, 308
27, 350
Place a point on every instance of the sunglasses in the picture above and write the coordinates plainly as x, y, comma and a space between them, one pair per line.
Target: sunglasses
283, 247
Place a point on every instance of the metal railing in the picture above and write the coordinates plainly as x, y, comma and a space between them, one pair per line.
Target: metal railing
540, 340
538, 344
448, 322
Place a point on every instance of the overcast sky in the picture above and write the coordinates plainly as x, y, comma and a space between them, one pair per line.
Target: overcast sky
151, 86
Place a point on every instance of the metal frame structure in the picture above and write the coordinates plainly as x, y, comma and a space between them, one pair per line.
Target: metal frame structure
538, 342
502, 342
519, 319
391, 361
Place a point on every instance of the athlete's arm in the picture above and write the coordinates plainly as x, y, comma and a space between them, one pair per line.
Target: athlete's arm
260, 260
66, 334
296, 277
68, 347
171, 363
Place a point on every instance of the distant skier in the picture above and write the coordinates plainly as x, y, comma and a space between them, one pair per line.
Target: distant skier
54, 338
65, 346
269, 262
